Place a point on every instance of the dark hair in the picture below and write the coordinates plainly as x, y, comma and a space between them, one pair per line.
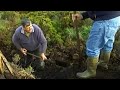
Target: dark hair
25, 21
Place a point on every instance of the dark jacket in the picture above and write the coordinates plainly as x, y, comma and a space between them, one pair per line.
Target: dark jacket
100, 15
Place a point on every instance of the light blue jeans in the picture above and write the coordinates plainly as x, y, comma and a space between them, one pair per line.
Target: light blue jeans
102, 36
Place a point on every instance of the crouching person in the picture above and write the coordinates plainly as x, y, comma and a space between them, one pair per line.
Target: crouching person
30, 38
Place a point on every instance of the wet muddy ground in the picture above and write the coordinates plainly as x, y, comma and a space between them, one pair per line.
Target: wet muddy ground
67, 69
59, 72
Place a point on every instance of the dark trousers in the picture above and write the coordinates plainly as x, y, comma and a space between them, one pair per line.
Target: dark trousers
29, 60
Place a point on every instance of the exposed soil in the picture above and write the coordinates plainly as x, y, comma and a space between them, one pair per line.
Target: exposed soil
59, 72
64, 64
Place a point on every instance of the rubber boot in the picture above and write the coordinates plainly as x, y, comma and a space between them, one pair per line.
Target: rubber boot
91, 68
104, 60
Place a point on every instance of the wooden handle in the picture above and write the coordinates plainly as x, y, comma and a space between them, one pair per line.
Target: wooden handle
6, 63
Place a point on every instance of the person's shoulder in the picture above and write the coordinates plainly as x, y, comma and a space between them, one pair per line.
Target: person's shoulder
35, 26
18, 29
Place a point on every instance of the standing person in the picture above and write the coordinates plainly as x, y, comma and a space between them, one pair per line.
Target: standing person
101, 39
30, 38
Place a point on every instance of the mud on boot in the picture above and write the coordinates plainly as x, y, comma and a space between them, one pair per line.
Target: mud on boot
91, 68
104, 60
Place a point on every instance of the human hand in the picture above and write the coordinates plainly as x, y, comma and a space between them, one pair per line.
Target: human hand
42, 55
24, 51
76, 16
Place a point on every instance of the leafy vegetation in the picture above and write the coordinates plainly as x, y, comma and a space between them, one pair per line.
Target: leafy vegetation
58, 29
56, 25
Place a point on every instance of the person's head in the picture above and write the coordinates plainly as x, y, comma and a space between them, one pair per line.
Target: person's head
27, 25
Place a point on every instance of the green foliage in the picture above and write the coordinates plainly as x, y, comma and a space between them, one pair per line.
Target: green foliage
57, 26
70, 33
29, 70
85, 32
46, 25
8, 20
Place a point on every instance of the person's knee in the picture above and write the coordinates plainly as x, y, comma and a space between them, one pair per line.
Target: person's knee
107, 48
93, 53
